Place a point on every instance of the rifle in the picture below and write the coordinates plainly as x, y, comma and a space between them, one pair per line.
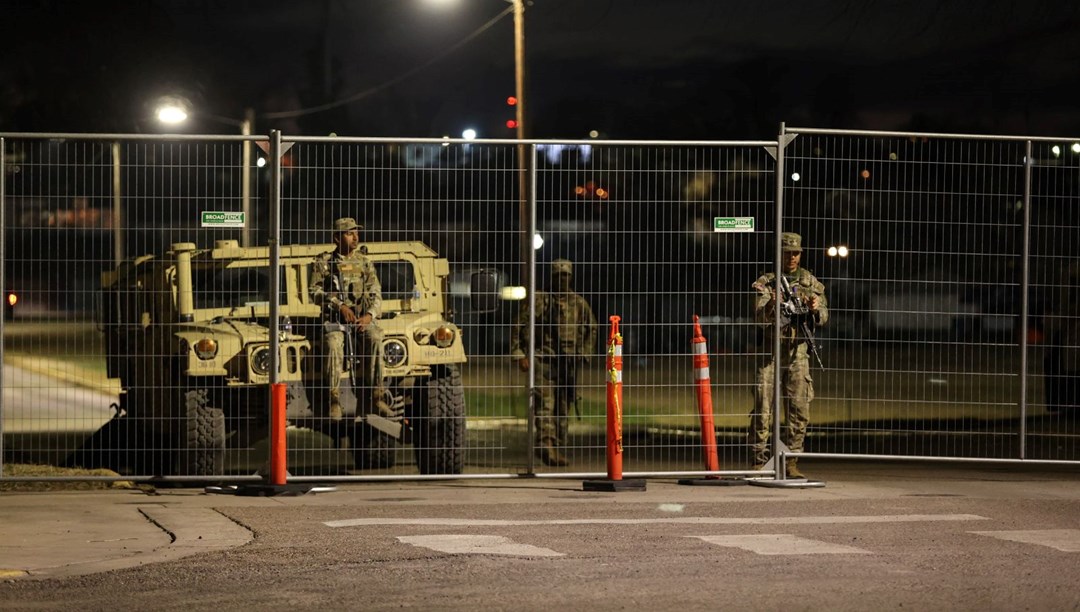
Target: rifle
799, 314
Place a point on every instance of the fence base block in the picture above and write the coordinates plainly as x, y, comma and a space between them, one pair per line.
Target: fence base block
269, 490
790, 483
629, 484
712, 482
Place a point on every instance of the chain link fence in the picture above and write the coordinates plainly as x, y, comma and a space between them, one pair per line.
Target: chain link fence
141, 336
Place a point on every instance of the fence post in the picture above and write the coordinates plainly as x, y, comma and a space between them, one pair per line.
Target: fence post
278, 472
778, 254
529, 206
1025, 284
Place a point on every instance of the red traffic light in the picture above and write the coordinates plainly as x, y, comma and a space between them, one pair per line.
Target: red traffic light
511, 101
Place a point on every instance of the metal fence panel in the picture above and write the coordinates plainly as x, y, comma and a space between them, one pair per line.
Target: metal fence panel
921, 240
636, 221
434, 216
1054, 328
946, 260
89, 341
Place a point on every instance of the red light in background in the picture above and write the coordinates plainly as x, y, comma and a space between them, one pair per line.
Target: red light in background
511, 101
511, 123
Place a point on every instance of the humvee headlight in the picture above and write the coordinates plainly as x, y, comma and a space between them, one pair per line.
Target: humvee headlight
394, 352
260, 361
444, 336
206, 349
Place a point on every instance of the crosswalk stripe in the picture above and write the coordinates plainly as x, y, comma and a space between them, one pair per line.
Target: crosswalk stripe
477, 545
781, 544
685, 520
1065, 540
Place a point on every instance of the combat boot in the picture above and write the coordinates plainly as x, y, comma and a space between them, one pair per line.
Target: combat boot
793, 469
336, 411
551, 455
759, 463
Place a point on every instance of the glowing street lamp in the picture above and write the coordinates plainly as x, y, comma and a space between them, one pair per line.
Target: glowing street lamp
171, 114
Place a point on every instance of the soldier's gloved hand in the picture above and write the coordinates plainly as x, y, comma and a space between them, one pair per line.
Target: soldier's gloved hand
812, 302
347, 313
523, 364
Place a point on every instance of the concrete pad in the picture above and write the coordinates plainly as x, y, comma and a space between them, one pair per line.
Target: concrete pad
59, 534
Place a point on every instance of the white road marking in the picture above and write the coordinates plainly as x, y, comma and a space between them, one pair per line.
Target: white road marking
781, 544
477, 545
671, 507
689, 520
1065, 540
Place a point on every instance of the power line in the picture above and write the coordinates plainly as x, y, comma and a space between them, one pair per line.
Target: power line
394, 81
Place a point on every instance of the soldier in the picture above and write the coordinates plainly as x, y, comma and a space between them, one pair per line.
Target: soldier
566, 337
345, 285
798, 389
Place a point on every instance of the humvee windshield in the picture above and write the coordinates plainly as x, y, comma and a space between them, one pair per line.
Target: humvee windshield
397, 278
220, 287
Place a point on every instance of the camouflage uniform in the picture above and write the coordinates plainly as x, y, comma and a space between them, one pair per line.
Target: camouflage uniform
349, 281
798, 389
567, 337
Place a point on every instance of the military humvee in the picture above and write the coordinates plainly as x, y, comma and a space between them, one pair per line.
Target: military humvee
187, 335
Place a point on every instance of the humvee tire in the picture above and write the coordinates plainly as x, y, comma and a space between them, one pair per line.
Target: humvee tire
203, 451
439, 429
373, 450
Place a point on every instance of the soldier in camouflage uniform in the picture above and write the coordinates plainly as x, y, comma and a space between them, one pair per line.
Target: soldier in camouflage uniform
798, 389
566, 338
345, 285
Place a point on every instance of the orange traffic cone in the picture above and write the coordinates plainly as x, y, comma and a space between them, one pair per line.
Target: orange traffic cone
614, 481
704, 401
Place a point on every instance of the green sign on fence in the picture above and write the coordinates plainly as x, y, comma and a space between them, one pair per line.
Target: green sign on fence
211, 218
733, 224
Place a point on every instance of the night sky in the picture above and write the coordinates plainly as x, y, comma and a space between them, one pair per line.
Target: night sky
719, 69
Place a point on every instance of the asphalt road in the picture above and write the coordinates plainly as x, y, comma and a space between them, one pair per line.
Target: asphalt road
884, 536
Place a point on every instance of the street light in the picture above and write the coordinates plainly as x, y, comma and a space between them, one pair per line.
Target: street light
172, 111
